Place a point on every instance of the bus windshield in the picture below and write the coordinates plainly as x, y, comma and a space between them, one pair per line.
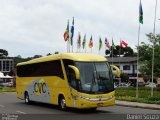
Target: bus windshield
95, 77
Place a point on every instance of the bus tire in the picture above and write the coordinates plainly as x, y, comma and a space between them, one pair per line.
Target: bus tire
26, 98
62, 103
93, 109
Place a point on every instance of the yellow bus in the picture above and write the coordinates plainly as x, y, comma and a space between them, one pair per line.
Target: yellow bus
77, 80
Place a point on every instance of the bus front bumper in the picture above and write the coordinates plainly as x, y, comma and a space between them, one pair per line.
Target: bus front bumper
94, 102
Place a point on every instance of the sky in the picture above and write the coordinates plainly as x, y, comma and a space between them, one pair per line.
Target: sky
36, 27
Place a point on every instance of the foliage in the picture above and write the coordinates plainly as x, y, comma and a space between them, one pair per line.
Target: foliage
7, 89
48, 54
123, 51
19, 59
37, 56
3, 53
129, 94
146, 52
124, 77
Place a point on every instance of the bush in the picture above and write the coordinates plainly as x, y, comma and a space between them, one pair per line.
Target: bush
129, 94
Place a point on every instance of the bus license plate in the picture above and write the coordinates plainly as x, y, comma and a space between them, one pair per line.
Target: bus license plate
99, 104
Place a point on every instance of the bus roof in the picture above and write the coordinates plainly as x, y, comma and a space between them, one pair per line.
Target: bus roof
71, 56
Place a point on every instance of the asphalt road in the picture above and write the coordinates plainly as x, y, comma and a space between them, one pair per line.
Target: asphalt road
10, 105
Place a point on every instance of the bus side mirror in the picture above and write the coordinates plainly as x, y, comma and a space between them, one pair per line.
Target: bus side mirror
117, 70
75, 69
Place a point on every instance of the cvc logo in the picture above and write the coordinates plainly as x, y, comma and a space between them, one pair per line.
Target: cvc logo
40, 87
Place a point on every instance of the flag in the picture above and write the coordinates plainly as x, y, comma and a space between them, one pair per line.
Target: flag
90, 45
84, 41
140, 13
100, 43
79, 41
107, 43
72, 31
66, 33
113, 45
123, 44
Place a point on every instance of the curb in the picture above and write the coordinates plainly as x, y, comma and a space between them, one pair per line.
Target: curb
137, 105
6, 92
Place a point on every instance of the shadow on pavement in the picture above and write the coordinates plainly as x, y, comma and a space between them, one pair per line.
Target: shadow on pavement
69, 110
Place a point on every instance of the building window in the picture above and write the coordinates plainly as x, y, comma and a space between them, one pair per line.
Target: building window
126, 67
6, 65
11, 65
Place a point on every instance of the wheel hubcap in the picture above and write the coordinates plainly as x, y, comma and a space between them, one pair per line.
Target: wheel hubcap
63, 103
26, 99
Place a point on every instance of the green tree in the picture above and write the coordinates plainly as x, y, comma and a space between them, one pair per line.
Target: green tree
126, 51
19, 59
48, 54
145, 54
3, 53
37, 56
124, 77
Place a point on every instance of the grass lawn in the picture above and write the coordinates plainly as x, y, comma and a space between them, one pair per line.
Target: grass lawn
129, 94
7, 89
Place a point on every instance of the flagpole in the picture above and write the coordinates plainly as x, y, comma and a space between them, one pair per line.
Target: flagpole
112, 51
119, 52
69, 40
67, 46
85, 45
154, 29
67, 33
137, 61
112, 54
77, 45
99, 46
72, 45
140, 21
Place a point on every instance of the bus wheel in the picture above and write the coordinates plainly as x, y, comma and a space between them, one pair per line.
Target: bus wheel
26, 98
62, 103
93, 109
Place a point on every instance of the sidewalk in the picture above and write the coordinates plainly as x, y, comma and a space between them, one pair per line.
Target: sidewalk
138, 105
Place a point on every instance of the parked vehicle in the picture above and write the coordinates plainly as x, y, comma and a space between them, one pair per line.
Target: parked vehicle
141, 84
7, 84
3, 84
123, 85
115, 86
151, 84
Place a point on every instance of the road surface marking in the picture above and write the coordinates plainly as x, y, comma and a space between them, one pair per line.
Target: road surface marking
2, 106
18, 111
